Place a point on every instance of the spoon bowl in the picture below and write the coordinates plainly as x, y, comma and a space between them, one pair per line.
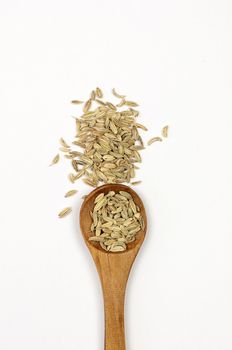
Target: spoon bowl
113, 267
87, 207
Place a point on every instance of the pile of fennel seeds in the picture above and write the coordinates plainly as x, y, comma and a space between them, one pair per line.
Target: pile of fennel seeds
107, 144
116, 220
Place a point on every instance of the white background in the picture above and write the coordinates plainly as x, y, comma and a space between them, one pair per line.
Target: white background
174, 57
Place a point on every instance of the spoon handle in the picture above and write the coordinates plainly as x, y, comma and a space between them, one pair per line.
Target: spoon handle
113, 270
114, 294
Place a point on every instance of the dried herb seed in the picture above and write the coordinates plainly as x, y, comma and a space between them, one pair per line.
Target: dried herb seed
165, 131
154, 139
55, 160
65, 212
70, 193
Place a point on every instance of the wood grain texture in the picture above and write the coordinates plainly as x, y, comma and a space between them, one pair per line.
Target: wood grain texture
113, 268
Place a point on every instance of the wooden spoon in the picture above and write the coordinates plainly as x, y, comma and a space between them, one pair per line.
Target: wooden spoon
113, 268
